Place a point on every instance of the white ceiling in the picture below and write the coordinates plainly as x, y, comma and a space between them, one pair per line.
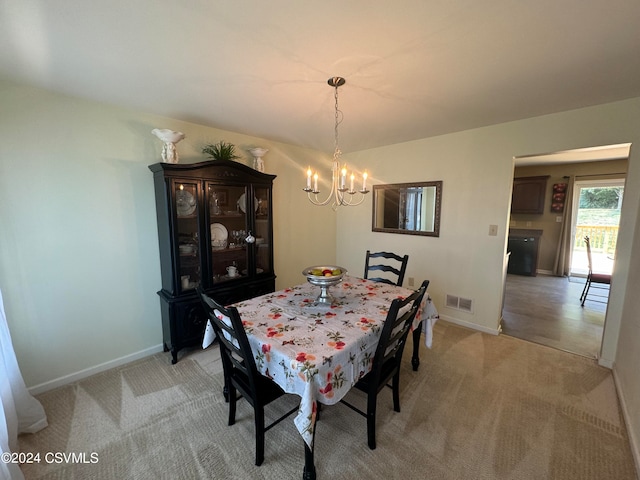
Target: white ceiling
414, 68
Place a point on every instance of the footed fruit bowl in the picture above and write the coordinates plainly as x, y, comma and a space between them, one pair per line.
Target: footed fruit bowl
324, 276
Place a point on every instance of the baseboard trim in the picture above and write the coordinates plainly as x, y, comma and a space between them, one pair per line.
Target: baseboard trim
473, 326
605, 362
87, 372
633, 440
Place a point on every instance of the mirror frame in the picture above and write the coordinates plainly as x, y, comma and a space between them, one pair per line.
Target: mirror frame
437, 208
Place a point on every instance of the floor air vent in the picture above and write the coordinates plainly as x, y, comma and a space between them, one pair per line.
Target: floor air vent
459, 303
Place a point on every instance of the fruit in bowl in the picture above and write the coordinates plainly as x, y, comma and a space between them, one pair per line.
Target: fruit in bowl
324, 271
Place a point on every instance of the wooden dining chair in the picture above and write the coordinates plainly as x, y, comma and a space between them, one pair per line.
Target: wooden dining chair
387, 358
597, 278
240, 372
392, 264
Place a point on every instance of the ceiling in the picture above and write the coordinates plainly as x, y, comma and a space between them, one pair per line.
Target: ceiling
413, 68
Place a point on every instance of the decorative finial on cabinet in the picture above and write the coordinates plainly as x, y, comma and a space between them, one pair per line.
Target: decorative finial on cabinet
257, 154
170, 138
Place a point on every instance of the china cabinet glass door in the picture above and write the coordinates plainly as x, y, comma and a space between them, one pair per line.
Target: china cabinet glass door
228, 229
186, 210
262, 230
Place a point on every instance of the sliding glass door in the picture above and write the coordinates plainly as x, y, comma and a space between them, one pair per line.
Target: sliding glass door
596, 213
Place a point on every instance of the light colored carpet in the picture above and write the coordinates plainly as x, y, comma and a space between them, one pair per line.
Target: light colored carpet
480, 407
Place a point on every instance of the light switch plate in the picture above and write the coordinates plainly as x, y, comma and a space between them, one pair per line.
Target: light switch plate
493, 230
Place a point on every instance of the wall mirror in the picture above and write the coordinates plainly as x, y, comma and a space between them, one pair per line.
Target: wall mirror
411, 208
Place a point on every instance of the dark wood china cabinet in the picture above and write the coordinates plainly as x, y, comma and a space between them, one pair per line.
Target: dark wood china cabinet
215, 229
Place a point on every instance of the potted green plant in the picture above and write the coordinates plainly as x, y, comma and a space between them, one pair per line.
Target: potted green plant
221, 151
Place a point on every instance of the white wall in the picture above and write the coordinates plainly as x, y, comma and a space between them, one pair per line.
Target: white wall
476, 168
470, 204
79, 264
628, 351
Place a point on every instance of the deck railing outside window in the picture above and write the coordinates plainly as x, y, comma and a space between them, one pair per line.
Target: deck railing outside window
603, 246
602, 238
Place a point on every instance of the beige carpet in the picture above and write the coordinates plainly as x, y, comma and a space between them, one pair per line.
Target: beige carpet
480, 407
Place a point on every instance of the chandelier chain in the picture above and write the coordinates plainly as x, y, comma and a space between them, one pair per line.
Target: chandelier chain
338, 121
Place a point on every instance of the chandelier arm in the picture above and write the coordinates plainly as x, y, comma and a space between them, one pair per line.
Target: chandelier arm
342, 200
333, 194
317, 202
351, 203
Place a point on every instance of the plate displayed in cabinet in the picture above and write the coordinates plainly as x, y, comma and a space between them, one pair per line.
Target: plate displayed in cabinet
242, 203
185, 203
219, 235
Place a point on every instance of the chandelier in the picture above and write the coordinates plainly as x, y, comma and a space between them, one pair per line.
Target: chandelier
340, 195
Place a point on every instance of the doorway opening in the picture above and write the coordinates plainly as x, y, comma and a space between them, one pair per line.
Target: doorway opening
546, 308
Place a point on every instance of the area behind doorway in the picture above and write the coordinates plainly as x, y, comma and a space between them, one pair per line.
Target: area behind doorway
546, 309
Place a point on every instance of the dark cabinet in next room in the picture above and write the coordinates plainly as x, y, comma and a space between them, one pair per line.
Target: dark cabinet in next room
523, 247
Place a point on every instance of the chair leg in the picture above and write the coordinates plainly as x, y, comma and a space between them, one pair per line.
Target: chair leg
396, 392
371, 419
225, 389
225, 394
585, 291
232, 405
259, 424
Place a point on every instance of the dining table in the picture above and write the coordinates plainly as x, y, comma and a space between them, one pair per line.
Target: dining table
319, 351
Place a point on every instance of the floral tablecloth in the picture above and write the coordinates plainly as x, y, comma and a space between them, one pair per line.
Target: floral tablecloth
320, 352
